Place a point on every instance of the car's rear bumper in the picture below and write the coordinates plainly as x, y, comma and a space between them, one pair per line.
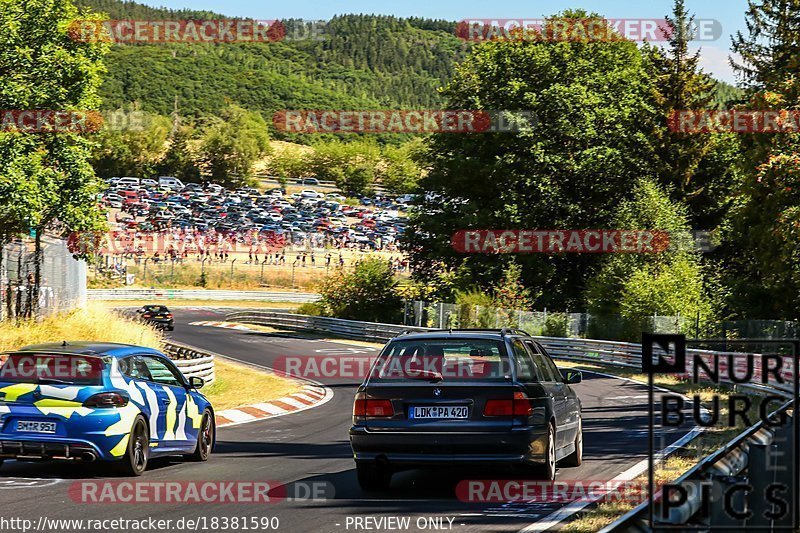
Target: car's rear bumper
164, 323
41, 447
518, 445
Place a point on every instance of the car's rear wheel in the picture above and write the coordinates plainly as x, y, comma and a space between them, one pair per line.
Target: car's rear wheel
548, 469
373, 477
576, 457
205, 438
134, 462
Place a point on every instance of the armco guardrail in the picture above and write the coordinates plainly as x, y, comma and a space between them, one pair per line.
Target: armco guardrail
190, 294
191, 361
722, 468
371, 331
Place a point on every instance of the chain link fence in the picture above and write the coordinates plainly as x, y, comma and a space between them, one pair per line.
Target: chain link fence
585, 325
63, 280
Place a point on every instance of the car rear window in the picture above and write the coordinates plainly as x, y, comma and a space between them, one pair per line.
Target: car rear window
447, 360
51, 369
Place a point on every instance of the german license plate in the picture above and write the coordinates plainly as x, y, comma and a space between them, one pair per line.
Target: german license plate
440, 411
33, 426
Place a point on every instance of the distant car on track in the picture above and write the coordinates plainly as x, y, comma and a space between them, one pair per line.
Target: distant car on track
157, 315
88, 402
465, 397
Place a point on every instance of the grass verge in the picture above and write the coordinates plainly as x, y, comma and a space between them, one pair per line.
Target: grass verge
95, 322
237, 385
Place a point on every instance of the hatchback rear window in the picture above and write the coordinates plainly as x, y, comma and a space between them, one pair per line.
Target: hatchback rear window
448, 360
156, 309
51, 369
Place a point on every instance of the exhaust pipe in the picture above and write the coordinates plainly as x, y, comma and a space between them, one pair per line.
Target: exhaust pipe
88, 457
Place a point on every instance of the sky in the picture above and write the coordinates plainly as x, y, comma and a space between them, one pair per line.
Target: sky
713, 53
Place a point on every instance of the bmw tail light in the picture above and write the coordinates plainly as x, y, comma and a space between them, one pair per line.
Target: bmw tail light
520, 405
369, 408
379, 408
498, 408
106, 400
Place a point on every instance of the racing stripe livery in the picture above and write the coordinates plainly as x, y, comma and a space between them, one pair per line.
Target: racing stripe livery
49, 415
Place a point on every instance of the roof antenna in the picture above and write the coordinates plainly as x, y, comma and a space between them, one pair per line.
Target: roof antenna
63, 343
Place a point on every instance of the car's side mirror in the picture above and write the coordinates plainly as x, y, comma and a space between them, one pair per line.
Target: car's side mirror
196, 382
572, 377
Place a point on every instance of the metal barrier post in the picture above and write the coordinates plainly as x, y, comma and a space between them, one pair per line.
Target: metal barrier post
762, 473
719, 516
786, 474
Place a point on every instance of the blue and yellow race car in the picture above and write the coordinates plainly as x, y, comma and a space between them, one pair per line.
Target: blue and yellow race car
101, 401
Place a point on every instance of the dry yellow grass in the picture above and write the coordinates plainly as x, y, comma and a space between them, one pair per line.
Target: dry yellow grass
237, 385
95, 323
218, 276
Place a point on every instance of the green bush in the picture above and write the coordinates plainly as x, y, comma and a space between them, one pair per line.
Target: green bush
368, 293
555, 325
311, 309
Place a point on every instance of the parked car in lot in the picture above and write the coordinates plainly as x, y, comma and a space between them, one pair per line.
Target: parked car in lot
101, 402
170, 182
128, 182
309, 214
158, 315
465, 397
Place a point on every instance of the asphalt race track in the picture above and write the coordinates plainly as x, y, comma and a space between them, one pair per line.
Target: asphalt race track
311, 449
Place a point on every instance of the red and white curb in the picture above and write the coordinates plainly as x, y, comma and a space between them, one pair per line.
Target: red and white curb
311, 396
